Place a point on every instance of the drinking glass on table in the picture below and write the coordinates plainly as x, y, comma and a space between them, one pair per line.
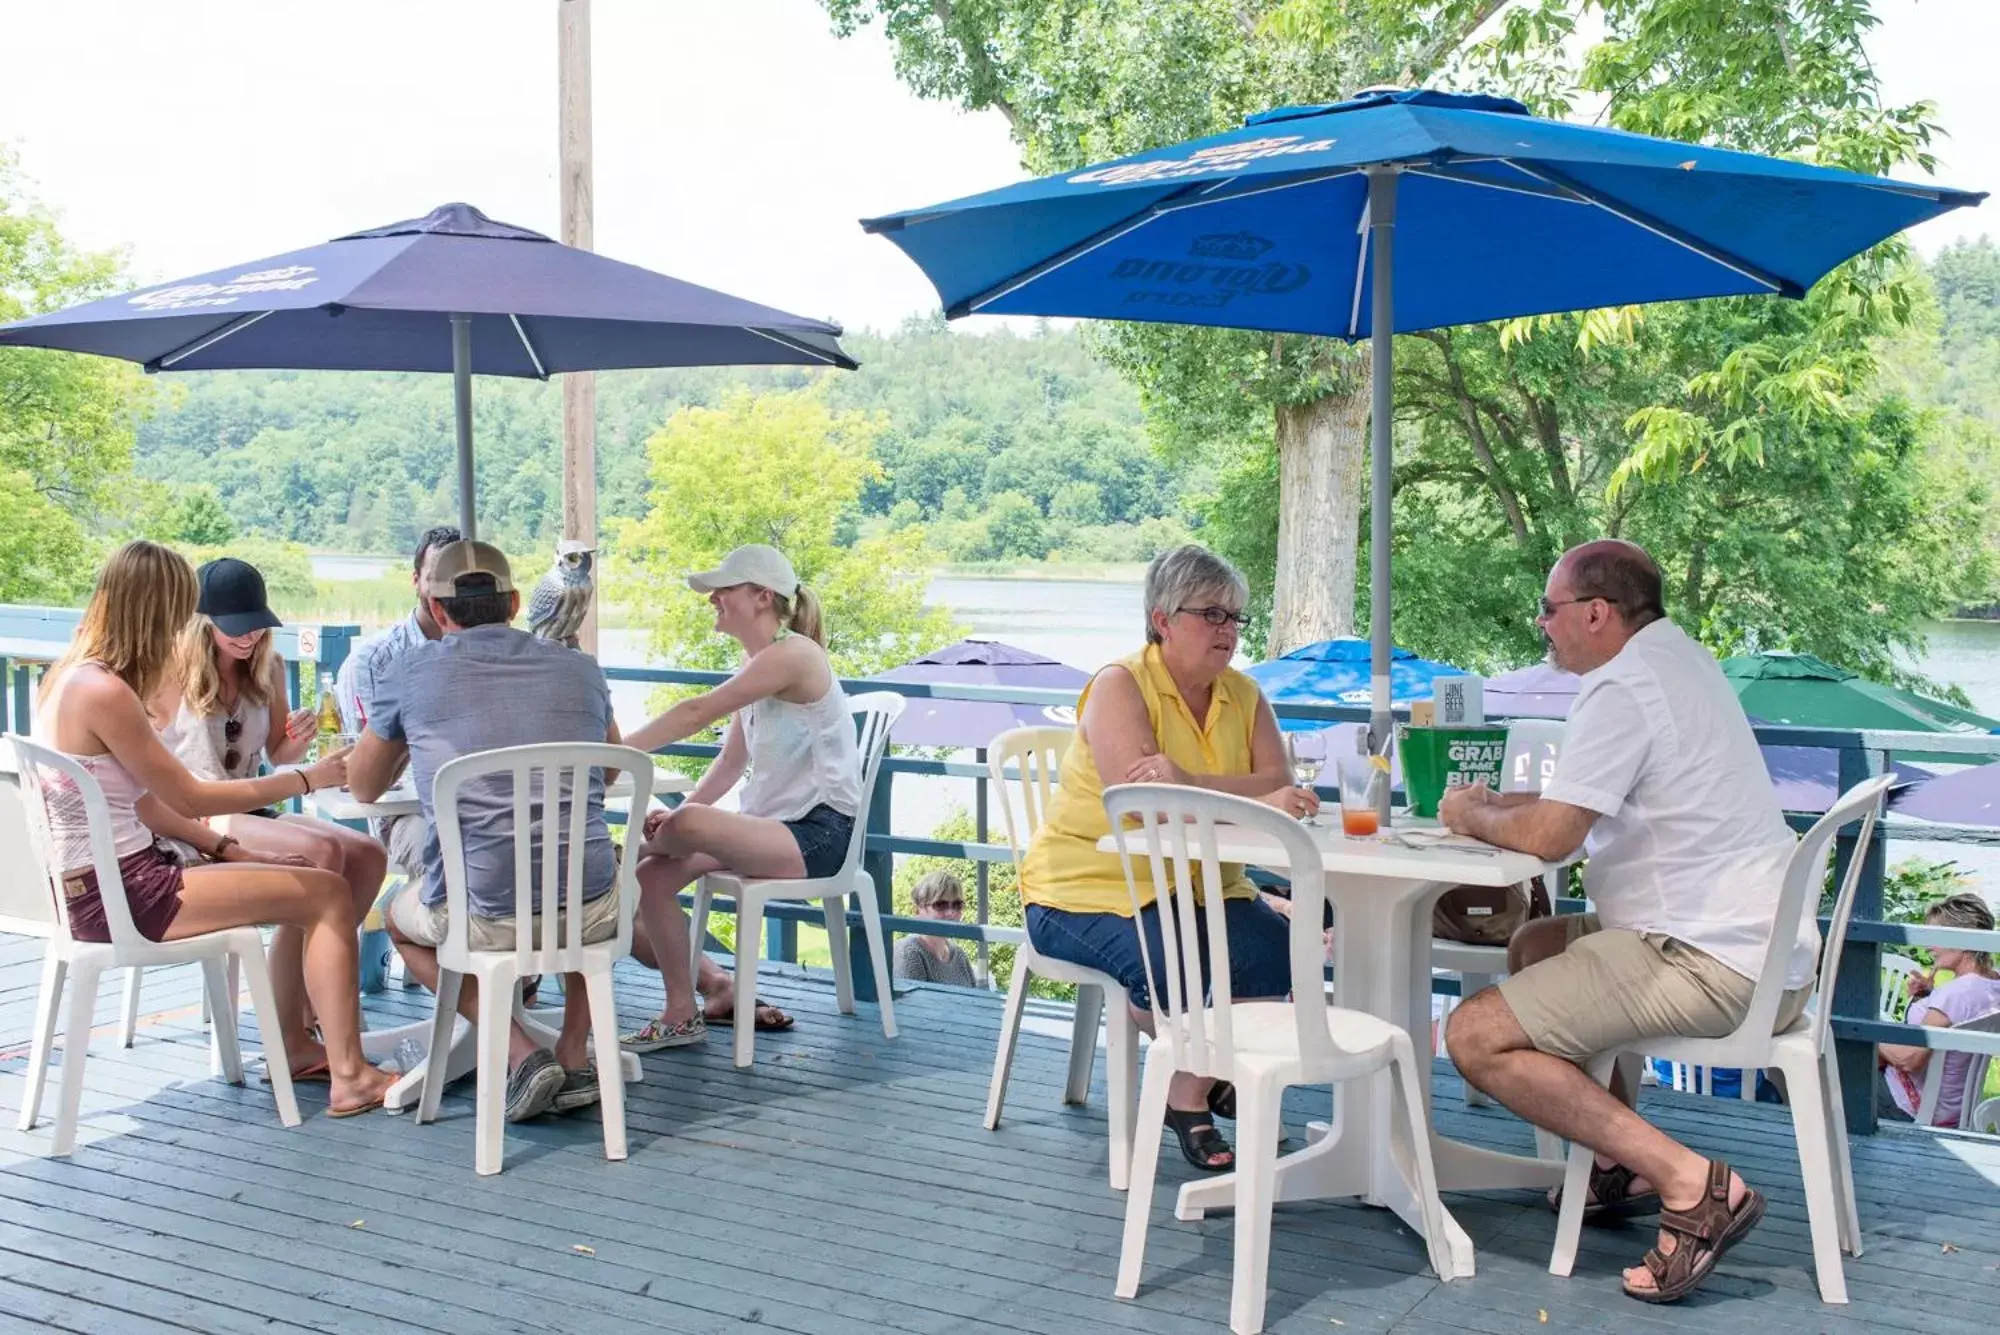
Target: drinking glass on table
1362, 779
1305, 753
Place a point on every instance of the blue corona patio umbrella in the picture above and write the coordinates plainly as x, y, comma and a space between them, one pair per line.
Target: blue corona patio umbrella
450, 291
1393, 212
1337, 672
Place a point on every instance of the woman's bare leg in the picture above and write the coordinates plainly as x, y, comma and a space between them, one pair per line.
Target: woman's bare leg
665, 923
353, 856
314, 907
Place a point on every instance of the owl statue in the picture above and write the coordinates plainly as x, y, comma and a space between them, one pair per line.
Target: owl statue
561, 597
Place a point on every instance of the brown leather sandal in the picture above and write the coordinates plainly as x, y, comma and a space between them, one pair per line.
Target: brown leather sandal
1611, 1196
1702, 1237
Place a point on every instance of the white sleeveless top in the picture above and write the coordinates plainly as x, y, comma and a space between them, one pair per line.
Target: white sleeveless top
801, 756
201, 743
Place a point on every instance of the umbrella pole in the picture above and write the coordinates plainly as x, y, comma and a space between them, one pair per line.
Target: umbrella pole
461, 396
1381, 339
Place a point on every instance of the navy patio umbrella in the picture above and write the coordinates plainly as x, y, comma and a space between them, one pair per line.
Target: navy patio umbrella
450, 291
933, 721
1393, 212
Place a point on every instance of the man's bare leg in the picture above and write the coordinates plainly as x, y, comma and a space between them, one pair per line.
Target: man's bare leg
1493, 1054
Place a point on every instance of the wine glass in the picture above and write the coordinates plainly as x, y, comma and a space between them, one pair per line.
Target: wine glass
1305, 752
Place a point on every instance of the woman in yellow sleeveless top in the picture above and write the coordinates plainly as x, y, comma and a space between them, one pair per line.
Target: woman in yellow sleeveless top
1175, 712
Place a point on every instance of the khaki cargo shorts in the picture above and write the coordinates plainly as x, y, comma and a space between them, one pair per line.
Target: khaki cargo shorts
1615, 989
424, 924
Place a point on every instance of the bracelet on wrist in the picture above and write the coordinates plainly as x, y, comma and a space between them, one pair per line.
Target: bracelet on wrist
306, 780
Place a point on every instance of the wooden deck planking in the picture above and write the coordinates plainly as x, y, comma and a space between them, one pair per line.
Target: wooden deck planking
843, 1184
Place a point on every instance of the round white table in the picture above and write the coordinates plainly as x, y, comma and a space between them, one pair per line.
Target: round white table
1382, 893
379, 1045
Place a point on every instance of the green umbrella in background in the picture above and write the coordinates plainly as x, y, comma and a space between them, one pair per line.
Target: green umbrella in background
1803, 691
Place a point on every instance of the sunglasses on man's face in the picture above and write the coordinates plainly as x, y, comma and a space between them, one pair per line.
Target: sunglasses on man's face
948, 905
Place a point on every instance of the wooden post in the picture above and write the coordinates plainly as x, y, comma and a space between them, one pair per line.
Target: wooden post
579, 388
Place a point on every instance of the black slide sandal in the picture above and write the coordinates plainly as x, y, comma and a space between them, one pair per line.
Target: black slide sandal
1200, 1141
1222, 1100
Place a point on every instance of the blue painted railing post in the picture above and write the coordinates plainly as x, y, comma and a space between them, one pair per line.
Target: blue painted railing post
1856, 988
880, 864
23, 698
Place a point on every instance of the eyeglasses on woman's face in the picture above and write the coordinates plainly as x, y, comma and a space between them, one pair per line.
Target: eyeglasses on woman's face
1217, 616
947, 905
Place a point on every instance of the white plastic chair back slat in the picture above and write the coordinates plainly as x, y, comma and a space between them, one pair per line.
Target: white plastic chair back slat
1972, 1082
544, 941
44, 773
1804, 875
1894, 998
875, 714
1175, 832
26, 906
1024, 768
1530, 758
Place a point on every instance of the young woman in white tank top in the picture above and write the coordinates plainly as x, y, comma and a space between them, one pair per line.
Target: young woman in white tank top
790, 727
222, 713
91, 709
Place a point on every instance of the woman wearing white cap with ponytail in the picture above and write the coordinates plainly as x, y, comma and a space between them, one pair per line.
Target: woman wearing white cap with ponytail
791, 728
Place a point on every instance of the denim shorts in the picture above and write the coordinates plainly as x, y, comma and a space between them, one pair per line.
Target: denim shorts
1260, 962
822, 835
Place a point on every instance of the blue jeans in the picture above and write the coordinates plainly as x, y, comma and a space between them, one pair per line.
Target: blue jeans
1260, 963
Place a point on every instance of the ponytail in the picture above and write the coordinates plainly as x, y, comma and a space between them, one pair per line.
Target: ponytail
803, 617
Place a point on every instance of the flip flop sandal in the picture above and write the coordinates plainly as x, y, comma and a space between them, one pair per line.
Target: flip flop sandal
1222, 1100
368, 1107
1612, 1197
316, 1074
1200, 1141
1702, 1237
783, 1023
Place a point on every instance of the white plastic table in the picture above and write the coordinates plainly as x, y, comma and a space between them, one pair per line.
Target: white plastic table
380, 1045
1382, 896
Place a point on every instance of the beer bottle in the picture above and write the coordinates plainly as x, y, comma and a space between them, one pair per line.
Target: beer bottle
329, 715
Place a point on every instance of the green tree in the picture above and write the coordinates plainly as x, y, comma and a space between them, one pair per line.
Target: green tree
1081, 81
783, 469
66, 422
1016, 527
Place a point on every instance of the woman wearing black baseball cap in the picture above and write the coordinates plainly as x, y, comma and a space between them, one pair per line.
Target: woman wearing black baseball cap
222, 713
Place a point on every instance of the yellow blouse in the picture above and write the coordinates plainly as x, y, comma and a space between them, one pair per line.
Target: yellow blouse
1064, 869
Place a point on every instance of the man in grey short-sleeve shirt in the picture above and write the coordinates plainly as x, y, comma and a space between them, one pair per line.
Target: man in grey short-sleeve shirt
481, 686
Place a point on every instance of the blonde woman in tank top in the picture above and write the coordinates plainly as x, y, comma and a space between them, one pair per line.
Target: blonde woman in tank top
791, 729
90, 708
222, 713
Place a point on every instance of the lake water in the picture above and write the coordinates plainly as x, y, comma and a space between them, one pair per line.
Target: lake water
1090, 623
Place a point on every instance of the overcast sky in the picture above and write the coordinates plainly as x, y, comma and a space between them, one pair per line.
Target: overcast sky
736, 141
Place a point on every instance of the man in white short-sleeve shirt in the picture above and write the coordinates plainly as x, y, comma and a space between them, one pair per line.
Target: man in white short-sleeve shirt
1661, 782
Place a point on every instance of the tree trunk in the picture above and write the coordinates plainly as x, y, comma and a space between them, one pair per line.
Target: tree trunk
1322, 472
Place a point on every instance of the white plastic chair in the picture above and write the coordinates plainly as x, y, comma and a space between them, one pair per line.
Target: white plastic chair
81, 963
1897, 971
1035, 756
1529, 763
550, 784
876, 714
1803, 1052
1263, 1047
1973, 1084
